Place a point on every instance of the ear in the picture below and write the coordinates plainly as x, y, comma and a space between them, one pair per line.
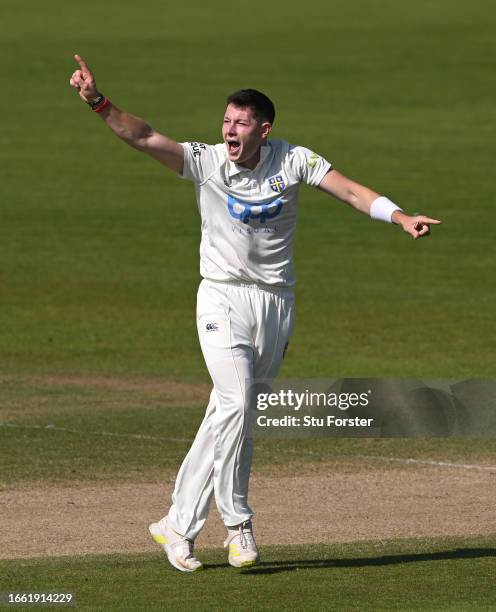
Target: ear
266, 129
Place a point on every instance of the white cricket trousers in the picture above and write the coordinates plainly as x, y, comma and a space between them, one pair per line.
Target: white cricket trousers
243, 330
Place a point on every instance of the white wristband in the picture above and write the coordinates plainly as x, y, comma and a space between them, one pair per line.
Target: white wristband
382, 209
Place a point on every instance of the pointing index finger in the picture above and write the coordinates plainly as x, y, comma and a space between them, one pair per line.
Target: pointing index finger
429, 220
82, 63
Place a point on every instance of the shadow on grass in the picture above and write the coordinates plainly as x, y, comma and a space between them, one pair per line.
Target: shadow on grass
275, 567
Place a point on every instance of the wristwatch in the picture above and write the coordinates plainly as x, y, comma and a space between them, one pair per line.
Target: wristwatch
96, 101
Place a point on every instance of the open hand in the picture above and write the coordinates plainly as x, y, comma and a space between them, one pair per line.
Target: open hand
84, 81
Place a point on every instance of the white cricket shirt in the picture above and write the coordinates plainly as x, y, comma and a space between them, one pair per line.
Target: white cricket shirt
248, 217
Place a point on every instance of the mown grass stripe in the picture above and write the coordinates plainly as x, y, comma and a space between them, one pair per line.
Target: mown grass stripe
94, 433
449, 464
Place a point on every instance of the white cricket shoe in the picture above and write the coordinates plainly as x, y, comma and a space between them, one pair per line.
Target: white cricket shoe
243, 551
179, 549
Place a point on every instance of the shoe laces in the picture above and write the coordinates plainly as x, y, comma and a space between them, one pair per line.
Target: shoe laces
246, 534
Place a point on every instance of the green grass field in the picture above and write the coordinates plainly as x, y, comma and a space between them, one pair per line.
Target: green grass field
99, 262
450, 574
99, 266
55, 433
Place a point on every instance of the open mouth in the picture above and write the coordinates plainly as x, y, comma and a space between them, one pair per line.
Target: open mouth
233, 146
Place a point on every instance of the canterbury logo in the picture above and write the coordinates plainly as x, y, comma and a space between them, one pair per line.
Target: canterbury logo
211, 327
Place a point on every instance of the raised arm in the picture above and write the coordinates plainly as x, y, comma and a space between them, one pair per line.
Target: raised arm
371, 203
133, 130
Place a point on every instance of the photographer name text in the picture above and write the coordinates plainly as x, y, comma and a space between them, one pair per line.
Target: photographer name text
312, 421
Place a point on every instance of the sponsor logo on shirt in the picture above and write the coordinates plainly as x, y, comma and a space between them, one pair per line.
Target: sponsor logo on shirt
210, 327
312, 161
245, 211
277, 183
246, 230
197, 148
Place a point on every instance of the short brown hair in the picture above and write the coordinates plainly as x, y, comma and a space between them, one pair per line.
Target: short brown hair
260, 104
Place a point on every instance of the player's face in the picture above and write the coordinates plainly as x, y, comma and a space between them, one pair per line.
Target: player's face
244, 134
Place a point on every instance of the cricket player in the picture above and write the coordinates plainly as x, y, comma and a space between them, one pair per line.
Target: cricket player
247, 195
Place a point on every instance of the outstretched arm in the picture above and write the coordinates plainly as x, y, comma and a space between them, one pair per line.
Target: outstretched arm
371, 203
133, 130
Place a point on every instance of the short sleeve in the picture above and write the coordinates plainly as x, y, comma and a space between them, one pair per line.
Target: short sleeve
200, 161
307, 166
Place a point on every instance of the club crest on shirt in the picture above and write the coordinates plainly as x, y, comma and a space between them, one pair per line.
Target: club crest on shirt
277, 183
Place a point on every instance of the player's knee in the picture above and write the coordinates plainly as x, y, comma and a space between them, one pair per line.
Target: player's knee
237, 411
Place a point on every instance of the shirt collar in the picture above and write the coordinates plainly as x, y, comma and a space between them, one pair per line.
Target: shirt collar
233, 168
